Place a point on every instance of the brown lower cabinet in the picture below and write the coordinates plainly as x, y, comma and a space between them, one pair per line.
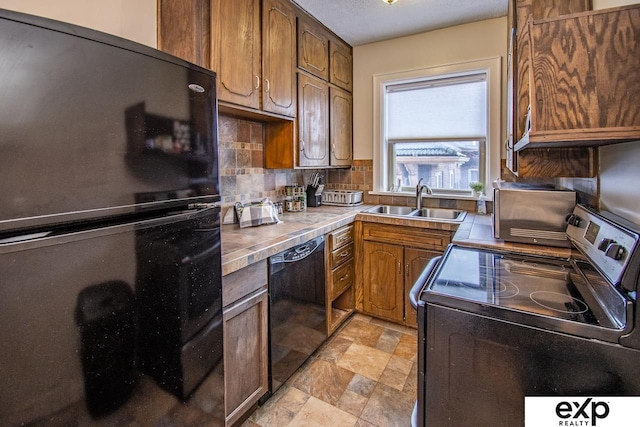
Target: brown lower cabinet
246, 335
391, 259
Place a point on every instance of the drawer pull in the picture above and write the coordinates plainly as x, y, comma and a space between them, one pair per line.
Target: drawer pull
344, 254
345, 277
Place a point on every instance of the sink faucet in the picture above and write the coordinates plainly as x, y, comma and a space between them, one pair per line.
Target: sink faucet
419, 190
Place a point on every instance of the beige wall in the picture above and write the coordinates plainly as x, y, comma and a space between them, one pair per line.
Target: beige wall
478, 40
131, 19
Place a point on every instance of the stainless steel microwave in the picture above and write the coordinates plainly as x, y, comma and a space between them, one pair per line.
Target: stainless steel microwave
532, 214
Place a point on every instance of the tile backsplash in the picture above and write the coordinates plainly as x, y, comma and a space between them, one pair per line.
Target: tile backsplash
243, 177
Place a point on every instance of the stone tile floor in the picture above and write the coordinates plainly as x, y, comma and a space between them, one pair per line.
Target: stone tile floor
364, 375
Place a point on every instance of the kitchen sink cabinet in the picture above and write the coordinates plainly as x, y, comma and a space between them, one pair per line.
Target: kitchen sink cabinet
537, 162
415, 260
246, 335
383, 280
390, 260
340, 277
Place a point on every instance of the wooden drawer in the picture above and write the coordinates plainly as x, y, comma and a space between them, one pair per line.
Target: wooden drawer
408, 236
341, 237
342, 278
241, 283
339, 256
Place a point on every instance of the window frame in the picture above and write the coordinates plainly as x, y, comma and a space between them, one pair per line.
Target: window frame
381, 159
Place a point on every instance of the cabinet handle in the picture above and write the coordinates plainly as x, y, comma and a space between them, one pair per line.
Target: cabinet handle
257, 82
333, 148
406, 269
399, 267
267, 85
345, 277
301, 145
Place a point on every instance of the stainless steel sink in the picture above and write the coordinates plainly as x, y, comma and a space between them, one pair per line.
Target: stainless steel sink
442, 214
391, 210
431, 214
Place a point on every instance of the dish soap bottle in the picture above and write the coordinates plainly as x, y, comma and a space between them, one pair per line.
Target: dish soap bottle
482, 205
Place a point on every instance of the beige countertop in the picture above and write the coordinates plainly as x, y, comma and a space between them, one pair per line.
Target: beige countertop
244, 246
477, 231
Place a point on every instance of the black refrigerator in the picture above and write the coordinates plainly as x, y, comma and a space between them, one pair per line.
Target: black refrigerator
110, 256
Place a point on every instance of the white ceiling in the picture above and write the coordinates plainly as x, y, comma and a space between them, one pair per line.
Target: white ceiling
365, 21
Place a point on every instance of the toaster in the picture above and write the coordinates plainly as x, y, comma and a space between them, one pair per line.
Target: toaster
528, 213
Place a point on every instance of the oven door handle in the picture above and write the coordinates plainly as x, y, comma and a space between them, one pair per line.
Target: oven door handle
421, 282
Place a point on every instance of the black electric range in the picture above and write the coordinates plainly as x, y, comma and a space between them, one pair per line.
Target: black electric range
494, 327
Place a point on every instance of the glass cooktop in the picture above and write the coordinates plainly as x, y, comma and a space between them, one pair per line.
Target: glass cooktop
547, 287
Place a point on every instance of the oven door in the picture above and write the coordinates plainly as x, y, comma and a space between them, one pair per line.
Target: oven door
495, 327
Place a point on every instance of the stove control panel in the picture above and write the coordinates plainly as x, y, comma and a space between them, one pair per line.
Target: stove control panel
607, 244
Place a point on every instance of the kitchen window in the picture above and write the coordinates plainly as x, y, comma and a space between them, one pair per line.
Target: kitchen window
441, 125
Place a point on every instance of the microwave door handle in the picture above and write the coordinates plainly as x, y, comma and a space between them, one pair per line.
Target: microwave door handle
421, 282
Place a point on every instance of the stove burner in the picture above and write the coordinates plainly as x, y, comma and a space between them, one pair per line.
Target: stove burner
558, 302
499, 287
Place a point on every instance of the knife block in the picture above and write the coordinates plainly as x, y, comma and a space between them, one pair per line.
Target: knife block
313, 199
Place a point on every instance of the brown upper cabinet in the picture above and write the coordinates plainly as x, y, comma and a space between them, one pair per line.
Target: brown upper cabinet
257, 49
252, 49
341, 127
279, 57
340, 64
183, 30
537, 162
324, 55
235, 50
313, 48
313, 121
585, 78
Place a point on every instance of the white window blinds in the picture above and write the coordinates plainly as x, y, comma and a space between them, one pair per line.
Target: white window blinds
443, 108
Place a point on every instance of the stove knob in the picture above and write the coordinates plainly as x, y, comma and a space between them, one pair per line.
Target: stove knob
604, 244
615, 251
573, 219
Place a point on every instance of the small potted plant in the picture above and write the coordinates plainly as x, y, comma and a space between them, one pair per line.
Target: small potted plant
477, 187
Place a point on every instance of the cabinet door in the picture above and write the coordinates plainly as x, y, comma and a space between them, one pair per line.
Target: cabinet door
588, 90
246, 363
341, 131
313, 121
236, 50
383, 277
183, 30
415, 260
313, 48
340, 64
279, 57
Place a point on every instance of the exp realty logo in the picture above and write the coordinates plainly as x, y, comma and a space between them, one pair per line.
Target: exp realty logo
579, 411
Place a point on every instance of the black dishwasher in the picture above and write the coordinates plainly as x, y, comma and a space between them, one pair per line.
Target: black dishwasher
297, 309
